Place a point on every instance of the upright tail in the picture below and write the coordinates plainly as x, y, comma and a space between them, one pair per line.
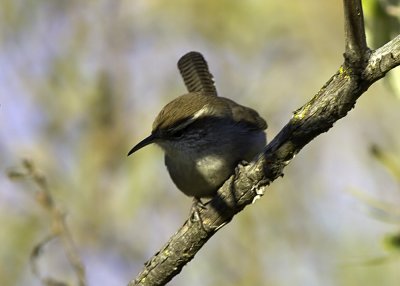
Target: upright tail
194, 70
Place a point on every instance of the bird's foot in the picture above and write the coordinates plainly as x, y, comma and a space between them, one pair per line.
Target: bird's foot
195, 212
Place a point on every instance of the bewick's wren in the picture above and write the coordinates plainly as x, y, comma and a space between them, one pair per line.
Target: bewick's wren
204, 136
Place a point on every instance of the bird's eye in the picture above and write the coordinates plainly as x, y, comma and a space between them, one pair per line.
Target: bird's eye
176, 133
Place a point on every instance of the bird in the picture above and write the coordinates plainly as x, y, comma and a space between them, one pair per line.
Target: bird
204, 136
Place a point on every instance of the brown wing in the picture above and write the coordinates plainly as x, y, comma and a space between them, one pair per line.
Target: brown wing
194, 70
245, 114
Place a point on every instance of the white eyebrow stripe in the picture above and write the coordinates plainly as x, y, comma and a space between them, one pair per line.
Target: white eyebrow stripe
204, 110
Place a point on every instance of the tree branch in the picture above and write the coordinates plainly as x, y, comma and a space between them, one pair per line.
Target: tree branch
382, 60
355, 42
332, 102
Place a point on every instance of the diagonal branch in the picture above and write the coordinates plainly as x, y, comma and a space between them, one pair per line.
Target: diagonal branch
382, 60
332, 102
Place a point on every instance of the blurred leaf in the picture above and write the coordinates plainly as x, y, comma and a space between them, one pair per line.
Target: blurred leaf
392, 242
382, 19
16, 175
389, 161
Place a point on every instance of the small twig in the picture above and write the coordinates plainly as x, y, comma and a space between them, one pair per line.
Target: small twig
59, 226
355, 42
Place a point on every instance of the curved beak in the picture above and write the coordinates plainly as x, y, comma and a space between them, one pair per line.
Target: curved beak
146, 141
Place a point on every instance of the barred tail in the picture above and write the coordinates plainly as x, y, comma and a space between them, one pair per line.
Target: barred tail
194, 70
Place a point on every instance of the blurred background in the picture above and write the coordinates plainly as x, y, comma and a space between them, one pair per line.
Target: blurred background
82, 81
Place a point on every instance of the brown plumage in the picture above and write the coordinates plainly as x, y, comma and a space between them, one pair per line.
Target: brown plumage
204, 136
186, 106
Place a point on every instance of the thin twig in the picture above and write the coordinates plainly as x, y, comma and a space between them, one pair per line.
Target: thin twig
355, 42
59, 226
